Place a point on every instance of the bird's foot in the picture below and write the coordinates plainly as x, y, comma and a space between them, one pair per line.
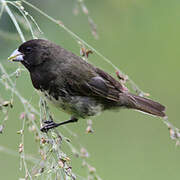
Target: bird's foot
48, 125
51, 124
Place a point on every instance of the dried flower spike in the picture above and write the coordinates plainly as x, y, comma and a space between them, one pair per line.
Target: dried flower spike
21, 148
89, 129
61, 163
43, 140
84, 153
85, 52
1, 128
122, 77
22, 115
20, 131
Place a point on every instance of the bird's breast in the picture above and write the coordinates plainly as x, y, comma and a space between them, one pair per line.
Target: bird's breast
77, 106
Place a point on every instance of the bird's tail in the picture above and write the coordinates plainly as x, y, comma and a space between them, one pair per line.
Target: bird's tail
145, 105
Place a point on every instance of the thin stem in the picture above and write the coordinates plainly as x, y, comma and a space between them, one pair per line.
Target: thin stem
14, 20
2, 9
23, 152
24, 102
23, 14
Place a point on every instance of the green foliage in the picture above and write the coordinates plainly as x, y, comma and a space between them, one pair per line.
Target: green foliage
52, 160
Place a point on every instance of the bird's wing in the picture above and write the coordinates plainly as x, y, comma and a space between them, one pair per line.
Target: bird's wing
102, 85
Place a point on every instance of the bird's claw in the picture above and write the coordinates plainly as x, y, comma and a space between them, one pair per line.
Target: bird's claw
48, 122
49, 125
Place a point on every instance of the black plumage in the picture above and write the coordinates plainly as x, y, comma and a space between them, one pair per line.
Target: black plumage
74, 85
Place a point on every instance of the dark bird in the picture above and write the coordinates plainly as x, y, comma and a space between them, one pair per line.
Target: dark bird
74, 85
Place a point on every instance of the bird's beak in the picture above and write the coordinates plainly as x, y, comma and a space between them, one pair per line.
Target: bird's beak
16, 56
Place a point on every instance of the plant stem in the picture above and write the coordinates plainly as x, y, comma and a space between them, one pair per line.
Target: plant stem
13, 19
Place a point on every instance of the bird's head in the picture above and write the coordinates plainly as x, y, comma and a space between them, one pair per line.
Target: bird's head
32, 53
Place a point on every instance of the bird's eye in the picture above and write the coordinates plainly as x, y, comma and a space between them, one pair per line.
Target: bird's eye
28, 49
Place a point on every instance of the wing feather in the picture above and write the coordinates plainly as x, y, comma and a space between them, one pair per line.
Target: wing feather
102, 85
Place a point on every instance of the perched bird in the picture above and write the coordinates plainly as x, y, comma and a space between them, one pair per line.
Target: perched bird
74, 85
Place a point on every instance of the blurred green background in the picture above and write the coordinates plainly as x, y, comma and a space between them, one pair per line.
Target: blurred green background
141, 37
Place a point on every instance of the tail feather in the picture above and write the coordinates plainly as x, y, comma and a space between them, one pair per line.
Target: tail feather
146, 105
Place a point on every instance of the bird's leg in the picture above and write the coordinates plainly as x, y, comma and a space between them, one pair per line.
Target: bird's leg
51, 124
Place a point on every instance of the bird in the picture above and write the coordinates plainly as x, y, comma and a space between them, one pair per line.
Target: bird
74, 85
